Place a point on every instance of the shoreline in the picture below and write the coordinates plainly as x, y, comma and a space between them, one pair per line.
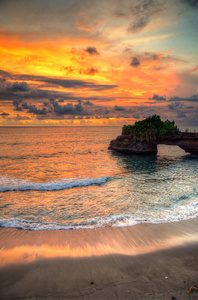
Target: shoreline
145, 261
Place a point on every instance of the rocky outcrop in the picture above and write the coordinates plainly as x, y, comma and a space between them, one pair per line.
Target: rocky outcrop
134, 144
186, 141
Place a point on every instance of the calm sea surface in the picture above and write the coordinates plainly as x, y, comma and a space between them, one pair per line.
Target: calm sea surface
66, 178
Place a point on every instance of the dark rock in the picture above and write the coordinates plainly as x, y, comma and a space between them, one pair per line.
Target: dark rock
134, 144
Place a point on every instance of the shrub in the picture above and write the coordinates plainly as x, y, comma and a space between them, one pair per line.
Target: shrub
152, 128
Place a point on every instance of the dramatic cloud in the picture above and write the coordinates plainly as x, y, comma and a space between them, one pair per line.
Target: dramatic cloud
21, 118
21, 90
176, 105
35, 94
136, 116
135, 62
119, 107
193, 98
66, 83
88, 103
69, 70
52, 99
18, 87
5, 114
92, 51
120, 14
157, 97
2, 80
5, 74
20, 105
89, 71
72, 70
181, 114
153, 56
69, 108
142, 13
112, 55
192, 3
16, 104
88, 21
33, 109
162, 57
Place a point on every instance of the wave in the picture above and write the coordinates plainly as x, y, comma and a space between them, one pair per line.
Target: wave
184, 209
56, 185
117, 220
36, 225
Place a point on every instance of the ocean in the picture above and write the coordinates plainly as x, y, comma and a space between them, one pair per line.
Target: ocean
66, 178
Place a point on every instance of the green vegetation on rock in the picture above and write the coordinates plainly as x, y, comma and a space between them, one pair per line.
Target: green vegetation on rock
152, 128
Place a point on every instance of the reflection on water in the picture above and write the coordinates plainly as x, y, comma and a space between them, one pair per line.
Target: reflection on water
152, 163
66, 178
24, 247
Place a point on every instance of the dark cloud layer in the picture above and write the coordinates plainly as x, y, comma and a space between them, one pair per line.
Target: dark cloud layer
88, 71
192, 3
18, 87
88, 103
66, 83
5, 74
175, 105
142, 14
21, 90
121, 108
92, 51
16, 104
135, 62
157, 97
33, 109
53, 106
5, 114
179, 108
91, 71
73, 70
193, 98
2, 80
54, 109
69, 108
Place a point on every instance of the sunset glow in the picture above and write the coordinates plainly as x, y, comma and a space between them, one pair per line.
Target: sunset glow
90, 63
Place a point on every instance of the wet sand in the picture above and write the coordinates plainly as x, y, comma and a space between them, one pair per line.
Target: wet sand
147, 261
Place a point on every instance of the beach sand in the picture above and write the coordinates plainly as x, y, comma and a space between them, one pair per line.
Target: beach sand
146, 261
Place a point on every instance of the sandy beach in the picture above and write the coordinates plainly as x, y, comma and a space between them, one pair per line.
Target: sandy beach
147, 261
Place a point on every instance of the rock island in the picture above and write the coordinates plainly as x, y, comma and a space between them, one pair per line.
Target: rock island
144, 136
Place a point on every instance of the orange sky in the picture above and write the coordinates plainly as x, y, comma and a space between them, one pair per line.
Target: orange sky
89, 63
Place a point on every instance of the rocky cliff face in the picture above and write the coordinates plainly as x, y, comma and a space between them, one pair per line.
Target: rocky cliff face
188, 142
134, 144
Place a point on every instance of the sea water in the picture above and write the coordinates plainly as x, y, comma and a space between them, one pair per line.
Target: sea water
66, 178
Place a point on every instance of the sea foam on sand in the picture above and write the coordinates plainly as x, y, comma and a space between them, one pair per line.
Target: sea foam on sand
147, 261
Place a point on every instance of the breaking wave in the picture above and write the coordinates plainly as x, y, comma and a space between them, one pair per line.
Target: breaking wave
11, 184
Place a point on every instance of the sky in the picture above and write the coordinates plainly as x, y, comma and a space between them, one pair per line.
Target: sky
90, 62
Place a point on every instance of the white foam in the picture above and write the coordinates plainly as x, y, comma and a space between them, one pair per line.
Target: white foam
118, 220
14, 184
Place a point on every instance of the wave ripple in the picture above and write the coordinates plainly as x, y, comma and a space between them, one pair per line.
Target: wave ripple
56, 185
